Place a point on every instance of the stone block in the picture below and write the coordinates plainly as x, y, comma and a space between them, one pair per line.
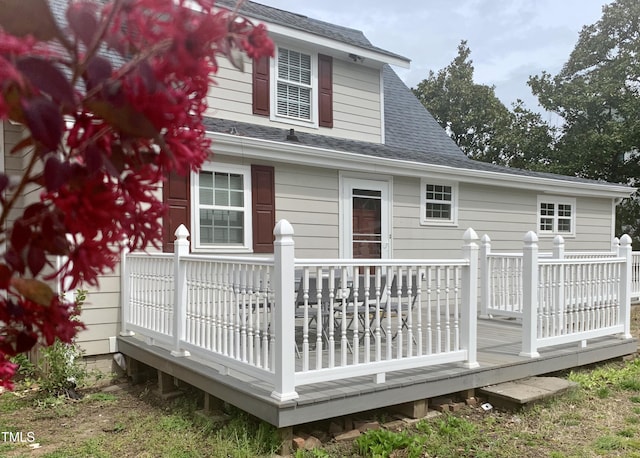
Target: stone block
456, 406
312, 442
347, 436
363, 426
415, 409
395, 425
298, 443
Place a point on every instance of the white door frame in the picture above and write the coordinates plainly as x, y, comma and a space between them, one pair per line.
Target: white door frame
371, 182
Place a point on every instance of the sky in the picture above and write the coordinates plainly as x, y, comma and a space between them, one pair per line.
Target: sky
510, 40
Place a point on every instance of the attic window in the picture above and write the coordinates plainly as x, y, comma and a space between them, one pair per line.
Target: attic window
294, 85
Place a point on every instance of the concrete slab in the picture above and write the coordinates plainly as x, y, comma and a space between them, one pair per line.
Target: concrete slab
519, 393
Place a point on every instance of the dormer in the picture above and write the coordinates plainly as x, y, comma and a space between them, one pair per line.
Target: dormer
324, 79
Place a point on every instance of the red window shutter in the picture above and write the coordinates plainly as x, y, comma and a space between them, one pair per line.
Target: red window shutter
176, 195
263, 198
261, 86
325, 92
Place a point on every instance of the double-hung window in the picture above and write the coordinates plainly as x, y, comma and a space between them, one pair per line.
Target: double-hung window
439, 203
556, 215
223, 207
294, 85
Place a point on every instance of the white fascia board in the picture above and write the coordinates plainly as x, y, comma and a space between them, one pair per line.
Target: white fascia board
252, 148
369, 55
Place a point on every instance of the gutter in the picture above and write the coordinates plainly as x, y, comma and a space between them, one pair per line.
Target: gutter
294, 153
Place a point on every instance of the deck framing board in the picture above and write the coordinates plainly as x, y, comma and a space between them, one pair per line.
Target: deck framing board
498, 348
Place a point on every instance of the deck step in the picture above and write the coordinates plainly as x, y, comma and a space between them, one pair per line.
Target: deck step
519, 393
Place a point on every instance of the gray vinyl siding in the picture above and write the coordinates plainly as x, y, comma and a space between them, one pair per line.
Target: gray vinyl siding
505, 214
308, 199
101, 313
15, 165
357, 107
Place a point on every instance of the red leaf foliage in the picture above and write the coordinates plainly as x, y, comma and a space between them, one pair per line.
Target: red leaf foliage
106, 131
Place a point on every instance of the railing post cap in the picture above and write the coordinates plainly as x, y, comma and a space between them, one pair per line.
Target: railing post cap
625, 240
283, 228
470, 235
558, 240
485, 238
181, 232
530, 237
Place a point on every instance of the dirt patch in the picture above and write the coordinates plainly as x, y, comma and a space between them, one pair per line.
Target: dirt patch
46, 424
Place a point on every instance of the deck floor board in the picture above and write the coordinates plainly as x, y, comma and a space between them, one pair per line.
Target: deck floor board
498, 355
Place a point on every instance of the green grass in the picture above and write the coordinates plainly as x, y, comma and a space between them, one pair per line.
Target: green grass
609, 376
555, 428
10, 402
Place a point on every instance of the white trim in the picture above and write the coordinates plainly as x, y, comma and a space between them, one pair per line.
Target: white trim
273, 69
382, 120
247, 246
614, 205
277, 31
333, 46
349, 181
251, 148
453, 221
556, 200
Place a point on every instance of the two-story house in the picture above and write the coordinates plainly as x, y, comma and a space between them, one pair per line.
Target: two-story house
327, 136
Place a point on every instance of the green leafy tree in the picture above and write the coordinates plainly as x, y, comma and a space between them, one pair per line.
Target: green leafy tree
480, 124
527, 140
597, 93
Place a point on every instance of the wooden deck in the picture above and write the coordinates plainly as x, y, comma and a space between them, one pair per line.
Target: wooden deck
499, 344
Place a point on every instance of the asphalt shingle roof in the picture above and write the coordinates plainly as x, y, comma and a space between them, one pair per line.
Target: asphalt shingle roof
300, 22
411, 134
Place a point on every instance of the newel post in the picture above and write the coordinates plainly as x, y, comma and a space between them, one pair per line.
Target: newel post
180, 248
125, 297
615, 245
625, 251
284, 363
530, 296
558, 247
485, 276
469, 313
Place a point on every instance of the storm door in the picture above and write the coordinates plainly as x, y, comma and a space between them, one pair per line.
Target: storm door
366, 219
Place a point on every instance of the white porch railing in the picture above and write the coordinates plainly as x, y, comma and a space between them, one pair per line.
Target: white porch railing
291, 322
635, 275
563, 298
501, 277
572, 300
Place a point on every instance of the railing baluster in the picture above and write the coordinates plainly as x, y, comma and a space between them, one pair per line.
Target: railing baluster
447, 295
377, 330
418, 307
429, 348
398, 337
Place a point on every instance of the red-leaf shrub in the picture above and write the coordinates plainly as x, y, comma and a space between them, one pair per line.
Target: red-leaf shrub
112, 103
